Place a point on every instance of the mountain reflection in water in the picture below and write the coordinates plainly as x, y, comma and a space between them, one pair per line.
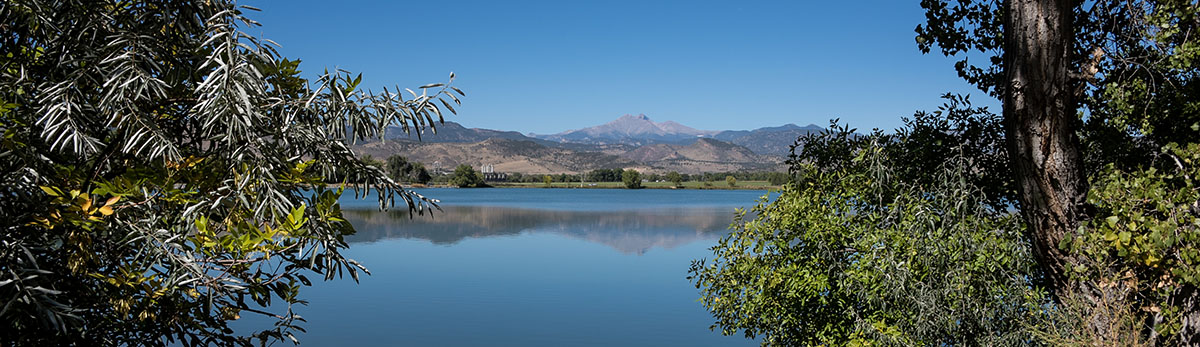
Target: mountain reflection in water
631, 232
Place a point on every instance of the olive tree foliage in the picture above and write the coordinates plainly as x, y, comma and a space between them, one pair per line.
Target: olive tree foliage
858, 251
161, 172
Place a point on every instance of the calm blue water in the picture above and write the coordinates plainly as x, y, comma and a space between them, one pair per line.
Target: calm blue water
528, 267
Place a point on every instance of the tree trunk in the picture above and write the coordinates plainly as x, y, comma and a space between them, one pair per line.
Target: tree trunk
1039, 118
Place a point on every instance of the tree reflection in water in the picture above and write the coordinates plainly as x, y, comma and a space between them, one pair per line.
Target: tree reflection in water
631, 232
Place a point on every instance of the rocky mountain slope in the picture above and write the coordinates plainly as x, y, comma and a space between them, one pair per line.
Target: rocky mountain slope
770, 140
640, 130
702, 150
454, 132
627, 142
705, 155
505, 155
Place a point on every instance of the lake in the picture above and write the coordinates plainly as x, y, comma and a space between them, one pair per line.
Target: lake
528, 267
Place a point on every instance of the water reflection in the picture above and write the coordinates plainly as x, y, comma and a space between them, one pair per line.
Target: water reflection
630, 232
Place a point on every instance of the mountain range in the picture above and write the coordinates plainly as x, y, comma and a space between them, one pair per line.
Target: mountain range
640, 130
630, 129
627, 142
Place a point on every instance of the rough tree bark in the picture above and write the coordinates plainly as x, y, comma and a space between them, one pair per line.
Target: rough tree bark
1039, 118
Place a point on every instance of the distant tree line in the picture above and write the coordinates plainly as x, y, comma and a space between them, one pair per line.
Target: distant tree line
400, 169
396, 166
605, 175
776, 178
616, 175
539, 178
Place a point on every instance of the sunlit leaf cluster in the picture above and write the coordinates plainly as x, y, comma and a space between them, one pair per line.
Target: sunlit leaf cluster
1145, 239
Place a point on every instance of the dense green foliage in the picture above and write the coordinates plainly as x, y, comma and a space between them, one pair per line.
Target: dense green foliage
632, 179
604, 175
675, 178
1146, 232
1139, 99
465, 176
402, 170
778, 178
873, 245
858, 250
1136, 75
163, 173
744, 176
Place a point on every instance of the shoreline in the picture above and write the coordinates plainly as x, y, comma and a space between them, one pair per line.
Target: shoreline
560, 185
622, 186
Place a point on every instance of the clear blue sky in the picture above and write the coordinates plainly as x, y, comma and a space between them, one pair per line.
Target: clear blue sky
550, 66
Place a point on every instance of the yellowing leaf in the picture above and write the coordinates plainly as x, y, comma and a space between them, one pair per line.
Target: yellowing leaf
1152, 260
87, 204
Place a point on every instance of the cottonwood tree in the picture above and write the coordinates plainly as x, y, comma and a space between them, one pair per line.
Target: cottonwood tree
1109, 88
675, 179
465, 176
632, 179
1099, 146
402, 170
162, 172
